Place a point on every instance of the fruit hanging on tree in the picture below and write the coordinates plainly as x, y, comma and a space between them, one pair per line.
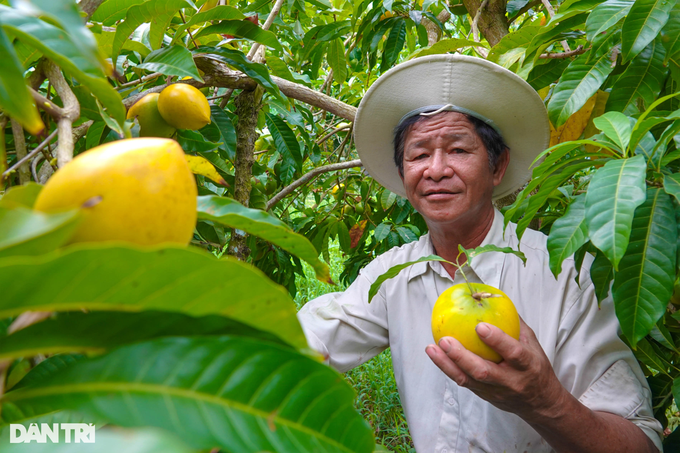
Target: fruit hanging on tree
138, 190
184, 107
151, 123
461, 307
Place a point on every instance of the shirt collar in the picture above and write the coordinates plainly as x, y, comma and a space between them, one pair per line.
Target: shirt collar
487, 266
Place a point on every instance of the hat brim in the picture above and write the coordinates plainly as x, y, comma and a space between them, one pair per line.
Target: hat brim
468, 82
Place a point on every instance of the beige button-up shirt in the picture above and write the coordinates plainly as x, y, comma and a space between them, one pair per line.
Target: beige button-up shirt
580, 340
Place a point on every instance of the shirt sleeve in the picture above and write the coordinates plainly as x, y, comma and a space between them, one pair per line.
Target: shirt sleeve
598, 368
344, 327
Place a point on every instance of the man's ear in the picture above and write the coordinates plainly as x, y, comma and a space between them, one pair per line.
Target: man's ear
501, 166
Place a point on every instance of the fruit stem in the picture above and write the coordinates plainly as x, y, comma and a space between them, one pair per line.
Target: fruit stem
460, 268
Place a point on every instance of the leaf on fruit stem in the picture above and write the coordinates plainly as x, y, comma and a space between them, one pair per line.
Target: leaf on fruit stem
172, 61
27, 232
567, 234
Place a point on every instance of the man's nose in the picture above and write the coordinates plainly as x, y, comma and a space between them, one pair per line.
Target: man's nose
439, 167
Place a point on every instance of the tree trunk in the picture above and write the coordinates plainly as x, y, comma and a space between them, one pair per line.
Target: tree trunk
493, 24
248, 104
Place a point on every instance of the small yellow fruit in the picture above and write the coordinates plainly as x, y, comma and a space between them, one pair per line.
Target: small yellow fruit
151, 123
184, 107
337, 188
461, 307
260, 144
138, 190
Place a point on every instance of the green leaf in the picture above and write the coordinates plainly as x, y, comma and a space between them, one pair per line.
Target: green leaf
406, 234
285, 139
394, 271
172, 61
602, 274
517, 39
605, 16
15, 99
549, 71
146, 440
97, 332
644, 283
337, 61
226, 130
671, 184
616, 127
99, 277
381, 231
643, 78
579, 82
567, 234
220, 12
615, 191
471, 253
234, 393
323, 34
642, 128
28, 232
256, 71
243, 29
551, 32
231, 213
158, 12
395, 42
445, 46
21, 196
48, 367
58, 46
670, 34
643, 23
94, 134
514, 6
111, 11
387, 199
661, 334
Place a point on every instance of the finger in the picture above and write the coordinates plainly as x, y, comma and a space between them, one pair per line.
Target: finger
439, 357
512, 351
477, 368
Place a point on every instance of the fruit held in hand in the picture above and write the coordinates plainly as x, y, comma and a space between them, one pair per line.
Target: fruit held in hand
151, 123
461, 307
184, 107
138, 190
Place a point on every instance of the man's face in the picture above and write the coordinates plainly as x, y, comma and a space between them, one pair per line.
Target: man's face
447, 177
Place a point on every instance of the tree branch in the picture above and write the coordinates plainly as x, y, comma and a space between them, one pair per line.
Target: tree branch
89, 7
268, 23
560, 55
20, 146
70, 113
31, 154
307, 177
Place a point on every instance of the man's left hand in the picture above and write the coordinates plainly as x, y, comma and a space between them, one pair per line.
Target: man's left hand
523, 383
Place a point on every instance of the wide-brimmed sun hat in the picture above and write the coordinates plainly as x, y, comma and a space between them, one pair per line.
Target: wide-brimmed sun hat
461, 83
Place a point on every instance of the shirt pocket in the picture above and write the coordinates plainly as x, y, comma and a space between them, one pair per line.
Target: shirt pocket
617, 391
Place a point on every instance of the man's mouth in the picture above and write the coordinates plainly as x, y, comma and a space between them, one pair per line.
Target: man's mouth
439, 192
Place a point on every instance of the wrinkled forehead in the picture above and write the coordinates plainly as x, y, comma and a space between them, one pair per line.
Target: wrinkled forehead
451, 125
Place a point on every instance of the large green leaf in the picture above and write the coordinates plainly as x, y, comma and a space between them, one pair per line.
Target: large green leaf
644, 77
393, 45
158, 12
243, 29
605, 16
643, 23
21, 196
118, 278
147, 440
337, 60
567, 234
614, 192
111, 11
286, 144
243, 395
231, 213
172, 61
100, 331
517, 39
221, 12
546, 73
579, 82
602, 274
644, 283
15, 98
670, 34
58, 46
551, 32
445, 46
616, 126
27, 232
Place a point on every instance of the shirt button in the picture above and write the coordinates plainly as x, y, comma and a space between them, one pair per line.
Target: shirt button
451, 402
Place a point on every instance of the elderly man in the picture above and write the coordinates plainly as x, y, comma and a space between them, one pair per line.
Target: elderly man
450, 133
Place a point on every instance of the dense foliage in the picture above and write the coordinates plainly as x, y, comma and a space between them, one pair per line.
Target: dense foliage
284, 80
